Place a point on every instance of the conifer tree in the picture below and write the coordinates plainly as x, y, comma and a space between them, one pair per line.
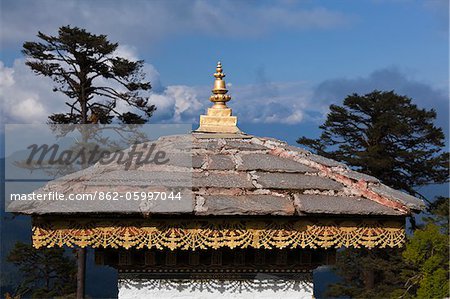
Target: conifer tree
96, 81
85, 68
46, 273
387, 136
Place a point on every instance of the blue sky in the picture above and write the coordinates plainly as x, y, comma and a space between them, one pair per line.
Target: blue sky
286, 60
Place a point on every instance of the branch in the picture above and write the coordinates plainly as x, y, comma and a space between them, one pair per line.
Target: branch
105, 106
72, 107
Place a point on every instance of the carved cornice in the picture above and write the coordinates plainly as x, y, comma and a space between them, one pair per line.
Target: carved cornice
195, 234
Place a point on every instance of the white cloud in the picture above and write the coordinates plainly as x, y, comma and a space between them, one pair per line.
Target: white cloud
274, 102
127, 52
184, 104
143, 22
187, 106
30, 108
6, 76
28, 98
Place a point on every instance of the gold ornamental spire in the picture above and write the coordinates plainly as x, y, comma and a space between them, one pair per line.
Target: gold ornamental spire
219, 117
219, 96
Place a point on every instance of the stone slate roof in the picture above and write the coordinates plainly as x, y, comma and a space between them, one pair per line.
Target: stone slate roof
232, 176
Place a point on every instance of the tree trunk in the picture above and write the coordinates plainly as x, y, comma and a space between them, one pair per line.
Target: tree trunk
83, 98
81, 252
83, 114
81, 272
369, 279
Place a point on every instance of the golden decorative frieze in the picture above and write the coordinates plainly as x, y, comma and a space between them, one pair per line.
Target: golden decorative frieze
203, 234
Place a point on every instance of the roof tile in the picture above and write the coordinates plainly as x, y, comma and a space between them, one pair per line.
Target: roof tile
246, 205
221, 162
295, 181
268, 162
401, 197
222, 180
323, 204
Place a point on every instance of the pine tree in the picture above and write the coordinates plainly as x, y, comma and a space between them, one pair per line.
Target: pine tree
384, 135
46, 272
85, 68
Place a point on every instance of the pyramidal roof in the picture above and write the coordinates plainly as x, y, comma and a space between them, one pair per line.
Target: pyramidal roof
242, 176
232, 174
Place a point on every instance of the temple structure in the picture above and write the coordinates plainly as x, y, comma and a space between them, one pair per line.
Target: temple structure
258, 217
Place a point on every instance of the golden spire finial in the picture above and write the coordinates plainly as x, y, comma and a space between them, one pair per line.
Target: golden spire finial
219, 97
218, 119
219, 73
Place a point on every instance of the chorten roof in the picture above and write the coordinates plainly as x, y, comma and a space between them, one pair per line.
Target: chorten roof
232, 173
230, 177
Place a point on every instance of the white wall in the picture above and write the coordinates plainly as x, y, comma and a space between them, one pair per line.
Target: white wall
213, 288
